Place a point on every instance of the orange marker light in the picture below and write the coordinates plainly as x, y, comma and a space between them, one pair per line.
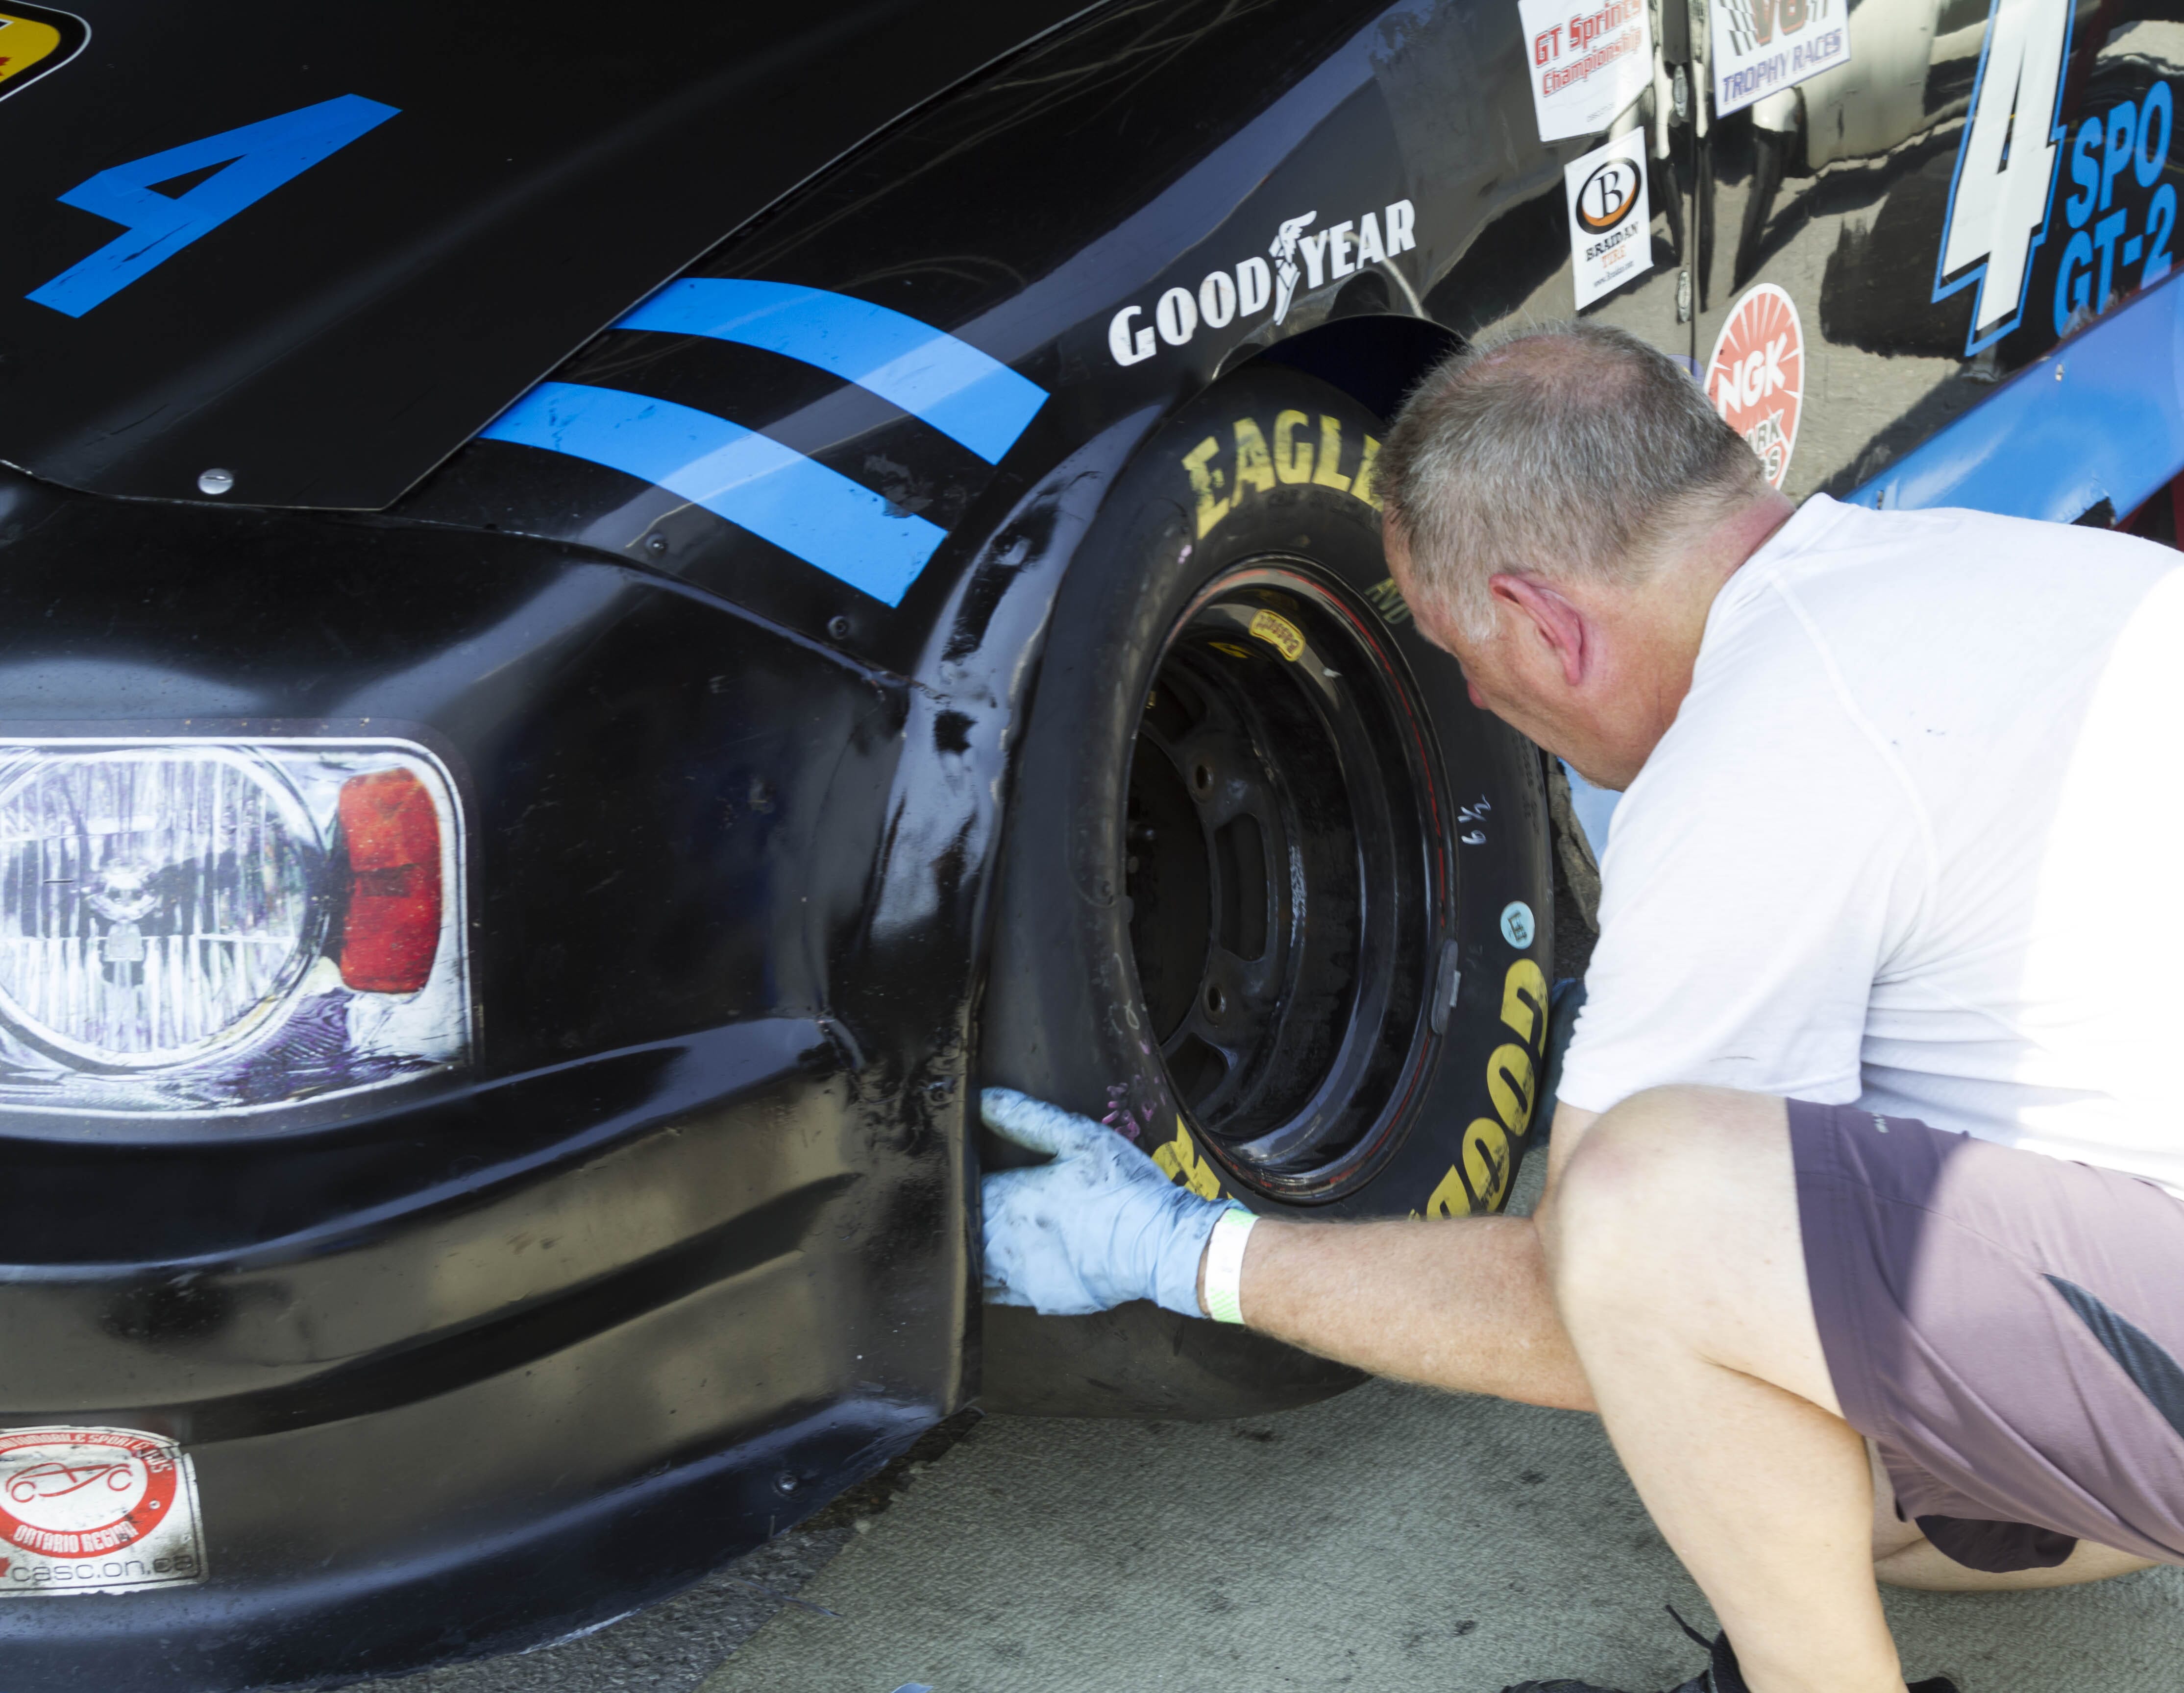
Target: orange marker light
392, 933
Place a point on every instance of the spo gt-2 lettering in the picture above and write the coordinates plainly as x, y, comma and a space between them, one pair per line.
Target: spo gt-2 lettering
1298, 453
255, 160
1248, 287
2112, 151
1998, 199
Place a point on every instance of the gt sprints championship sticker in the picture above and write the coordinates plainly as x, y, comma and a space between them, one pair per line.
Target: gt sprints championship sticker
1589, 60
1611, 227
1756, 378
96, 1511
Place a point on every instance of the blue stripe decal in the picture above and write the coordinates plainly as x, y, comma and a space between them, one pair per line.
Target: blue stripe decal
964, 393
2101, 417
752, 481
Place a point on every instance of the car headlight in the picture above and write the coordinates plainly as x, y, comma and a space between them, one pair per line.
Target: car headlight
194, 925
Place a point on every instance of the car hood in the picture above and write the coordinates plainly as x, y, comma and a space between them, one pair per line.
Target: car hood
470, 192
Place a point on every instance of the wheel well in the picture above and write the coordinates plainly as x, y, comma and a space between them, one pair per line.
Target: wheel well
1376, 360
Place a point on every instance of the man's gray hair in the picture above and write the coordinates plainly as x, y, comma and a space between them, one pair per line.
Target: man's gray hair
1573, 451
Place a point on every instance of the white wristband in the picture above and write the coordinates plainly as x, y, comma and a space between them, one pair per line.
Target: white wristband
1225, 1264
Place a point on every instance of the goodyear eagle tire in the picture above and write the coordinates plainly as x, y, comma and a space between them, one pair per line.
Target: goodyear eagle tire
1276, 897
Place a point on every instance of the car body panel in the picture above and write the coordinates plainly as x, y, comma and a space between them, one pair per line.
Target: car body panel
347, 326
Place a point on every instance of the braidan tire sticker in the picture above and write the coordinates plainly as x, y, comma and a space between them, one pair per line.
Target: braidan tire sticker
1609, 220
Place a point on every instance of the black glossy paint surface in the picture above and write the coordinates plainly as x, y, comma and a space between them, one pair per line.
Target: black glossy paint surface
547, 165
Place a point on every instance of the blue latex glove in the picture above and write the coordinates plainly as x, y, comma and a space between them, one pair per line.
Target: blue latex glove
1098, 1227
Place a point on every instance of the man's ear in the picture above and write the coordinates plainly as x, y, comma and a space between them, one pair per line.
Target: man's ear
1556, 624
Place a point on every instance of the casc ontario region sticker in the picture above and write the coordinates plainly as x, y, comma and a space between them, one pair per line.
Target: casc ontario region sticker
96, 1511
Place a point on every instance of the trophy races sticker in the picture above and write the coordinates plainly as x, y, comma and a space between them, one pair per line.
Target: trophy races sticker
96, 1511
1610, 226
1588, 61
1756, 378
1760, 46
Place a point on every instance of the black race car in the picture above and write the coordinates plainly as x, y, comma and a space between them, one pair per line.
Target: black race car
602, 612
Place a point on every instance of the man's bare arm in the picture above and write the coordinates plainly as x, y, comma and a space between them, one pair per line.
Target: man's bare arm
1463, 1305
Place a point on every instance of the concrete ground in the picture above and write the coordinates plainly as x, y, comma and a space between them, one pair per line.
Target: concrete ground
1391, 1540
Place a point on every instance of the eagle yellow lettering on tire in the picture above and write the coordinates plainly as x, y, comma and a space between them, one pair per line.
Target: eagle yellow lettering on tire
1293, 457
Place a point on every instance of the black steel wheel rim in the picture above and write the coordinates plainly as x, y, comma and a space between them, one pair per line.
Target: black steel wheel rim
1283, 906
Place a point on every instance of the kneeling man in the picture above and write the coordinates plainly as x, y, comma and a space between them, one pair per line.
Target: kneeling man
1863, 1230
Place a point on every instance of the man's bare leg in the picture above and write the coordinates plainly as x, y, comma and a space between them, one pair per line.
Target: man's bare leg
1678, 1263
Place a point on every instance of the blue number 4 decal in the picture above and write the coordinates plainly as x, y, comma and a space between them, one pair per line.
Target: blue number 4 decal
255, 160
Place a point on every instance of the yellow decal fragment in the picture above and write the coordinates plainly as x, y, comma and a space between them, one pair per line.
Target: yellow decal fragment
1292, 457
24, 41
1205, 481
1279, 633
1330, 473
1524, 1001
1254, 465
1179, 1161
1509, 1085
1360, 485
1450, 1199
1388, 600
1487, 1162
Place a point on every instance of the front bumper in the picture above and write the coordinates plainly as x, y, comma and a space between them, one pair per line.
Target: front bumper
666, 1372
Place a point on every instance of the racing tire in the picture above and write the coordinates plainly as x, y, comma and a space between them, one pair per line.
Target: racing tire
1276, 897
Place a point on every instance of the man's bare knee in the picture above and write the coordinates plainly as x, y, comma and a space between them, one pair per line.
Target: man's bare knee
1677, 1215
1651, 1150
1636, 1167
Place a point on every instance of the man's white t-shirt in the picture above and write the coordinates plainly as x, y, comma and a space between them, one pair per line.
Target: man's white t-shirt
1914, 841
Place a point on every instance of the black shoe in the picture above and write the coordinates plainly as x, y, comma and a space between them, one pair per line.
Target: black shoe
1721, 1674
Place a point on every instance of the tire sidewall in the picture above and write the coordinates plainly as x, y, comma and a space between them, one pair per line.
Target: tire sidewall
1064, 1016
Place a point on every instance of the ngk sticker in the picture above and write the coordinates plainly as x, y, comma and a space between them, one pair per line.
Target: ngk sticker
1756, 378
1588, 61
1611, 228
96, 1511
